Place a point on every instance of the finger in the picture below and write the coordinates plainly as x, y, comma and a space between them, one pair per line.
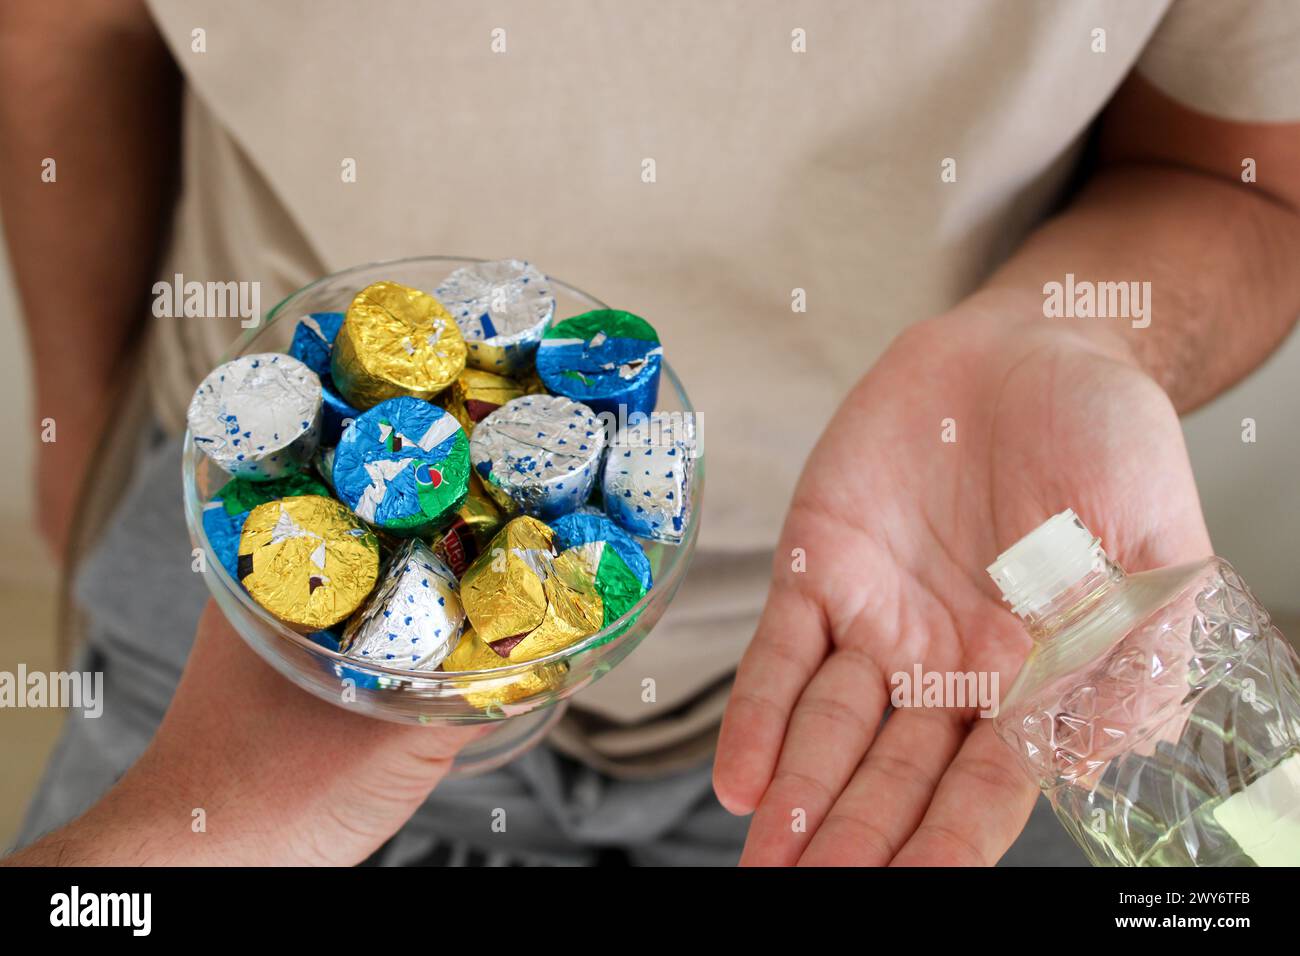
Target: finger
1165, 540
888, 795
831, 728
978, 810
788, 647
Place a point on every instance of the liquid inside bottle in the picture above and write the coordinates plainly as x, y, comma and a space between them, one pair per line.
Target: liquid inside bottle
1159, 712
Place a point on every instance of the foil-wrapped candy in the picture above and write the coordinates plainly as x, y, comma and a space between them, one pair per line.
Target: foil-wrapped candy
539, 454
616, 564
646, 484
326, 639
307, 560
403, 466
330, 641
258, 416
607, 359
476, 522
224, 515
524, 600
502, 308
476, 394
414, 618
395, 341
499, 691
336, 413
313, 345
313, 340
502, 590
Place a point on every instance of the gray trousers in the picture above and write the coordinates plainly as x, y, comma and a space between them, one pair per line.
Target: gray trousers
144, 603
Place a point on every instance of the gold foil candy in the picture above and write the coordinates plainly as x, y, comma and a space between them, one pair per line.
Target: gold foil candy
503, 590
523, 601
307, 560
476, 394
471, 654
574, 610
394, 341
531, 382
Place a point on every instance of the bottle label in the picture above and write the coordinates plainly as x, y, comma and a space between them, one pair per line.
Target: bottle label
1264, 818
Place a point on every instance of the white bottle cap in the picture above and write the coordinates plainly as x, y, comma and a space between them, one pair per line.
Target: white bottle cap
1042, 565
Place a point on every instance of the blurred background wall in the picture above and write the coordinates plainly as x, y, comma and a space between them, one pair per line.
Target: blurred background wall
1249, 492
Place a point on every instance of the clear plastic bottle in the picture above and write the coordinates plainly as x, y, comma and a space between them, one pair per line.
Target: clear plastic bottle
1159, 712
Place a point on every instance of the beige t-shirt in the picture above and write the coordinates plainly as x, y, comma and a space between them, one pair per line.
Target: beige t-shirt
796, 150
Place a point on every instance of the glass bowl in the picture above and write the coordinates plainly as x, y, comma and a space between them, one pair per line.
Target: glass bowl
523, 700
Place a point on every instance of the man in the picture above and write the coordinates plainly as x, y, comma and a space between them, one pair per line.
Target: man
784, 191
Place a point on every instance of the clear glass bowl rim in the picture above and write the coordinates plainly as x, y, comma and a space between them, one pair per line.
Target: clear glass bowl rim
194, 508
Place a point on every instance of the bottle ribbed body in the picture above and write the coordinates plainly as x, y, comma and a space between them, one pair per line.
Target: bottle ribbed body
1164, 724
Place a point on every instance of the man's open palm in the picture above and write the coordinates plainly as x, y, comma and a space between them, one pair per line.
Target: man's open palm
895, 526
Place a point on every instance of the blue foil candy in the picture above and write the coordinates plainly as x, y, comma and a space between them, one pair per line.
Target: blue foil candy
583, 527
313, 340
403, 466
223, 529
330, 641
326, 639
605, 359
313, 345
335, 413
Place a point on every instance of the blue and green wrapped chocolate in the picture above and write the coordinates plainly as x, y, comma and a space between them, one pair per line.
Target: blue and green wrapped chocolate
403, 467
605, 359
617, 564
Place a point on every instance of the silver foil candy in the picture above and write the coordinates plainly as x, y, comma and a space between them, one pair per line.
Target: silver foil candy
413, 619
503, 308
258, 416
647, 479
539, 454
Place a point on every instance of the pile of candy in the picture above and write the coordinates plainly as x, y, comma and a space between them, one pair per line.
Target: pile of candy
436, 481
